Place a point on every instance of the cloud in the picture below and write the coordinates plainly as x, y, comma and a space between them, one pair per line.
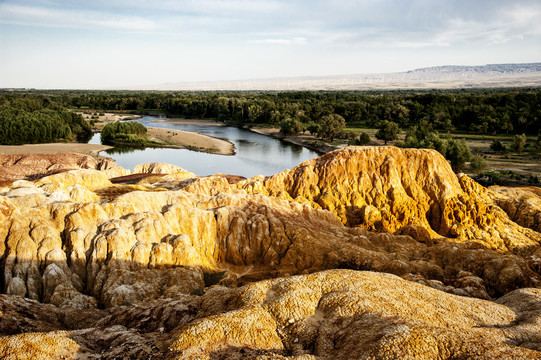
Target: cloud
278, 41
421, 24
50, 17
343, 23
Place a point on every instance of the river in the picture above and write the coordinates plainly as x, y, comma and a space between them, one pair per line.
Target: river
256, 154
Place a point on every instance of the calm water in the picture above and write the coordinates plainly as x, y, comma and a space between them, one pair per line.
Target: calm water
255, 154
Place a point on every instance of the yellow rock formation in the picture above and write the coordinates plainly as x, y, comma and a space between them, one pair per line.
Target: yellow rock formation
214, 267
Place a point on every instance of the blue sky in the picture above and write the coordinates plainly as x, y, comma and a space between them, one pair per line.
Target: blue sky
116, 43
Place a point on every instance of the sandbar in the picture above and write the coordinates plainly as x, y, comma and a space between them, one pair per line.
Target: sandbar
181, 139
193, 141
200, 122
55, 148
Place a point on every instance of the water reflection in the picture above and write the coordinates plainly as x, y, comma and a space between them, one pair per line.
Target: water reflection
256, 154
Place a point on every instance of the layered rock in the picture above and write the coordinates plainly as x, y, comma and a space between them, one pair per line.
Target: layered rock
202, 267
386, 189
522, 204
341, 314
33, 166
160, 168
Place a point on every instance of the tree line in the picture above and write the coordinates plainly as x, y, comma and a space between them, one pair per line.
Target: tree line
31, 120
423, 114
492, 111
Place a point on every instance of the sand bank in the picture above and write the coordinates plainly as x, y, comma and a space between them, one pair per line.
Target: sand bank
193, 141
181, 139
55, 148
200, 122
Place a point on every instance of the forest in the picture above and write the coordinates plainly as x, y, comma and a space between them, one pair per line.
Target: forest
37, 119
480, 111
31, 114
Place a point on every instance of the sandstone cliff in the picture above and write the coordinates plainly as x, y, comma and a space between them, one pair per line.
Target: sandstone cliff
189, 267
385, 189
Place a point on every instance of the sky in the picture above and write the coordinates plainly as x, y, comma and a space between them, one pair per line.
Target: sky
70, 44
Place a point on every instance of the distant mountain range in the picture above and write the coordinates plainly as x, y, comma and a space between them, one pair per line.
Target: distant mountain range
437, 77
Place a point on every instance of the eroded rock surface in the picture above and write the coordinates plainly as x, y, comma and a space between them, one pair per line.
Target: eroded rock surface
342, 314
522, 204
385, 189
175, 266
34, 166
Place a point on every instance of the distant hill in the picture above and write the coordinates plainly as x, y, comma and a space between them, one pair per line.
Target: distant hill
510, 69
438, 77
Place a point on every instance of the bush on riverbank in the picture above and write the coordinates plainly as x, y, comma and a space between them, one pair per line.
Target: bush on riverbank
127, 133
132, 132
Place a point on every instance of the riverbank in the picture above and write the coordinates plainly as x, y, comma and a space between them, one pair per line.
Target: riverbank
56, 148
192, 141
307, 141
199, 122
168, 138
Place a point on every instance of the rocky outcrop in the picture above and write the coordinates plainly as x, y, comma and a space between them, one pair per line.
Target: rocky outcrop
342, 314
522, 204
215, 267
34, 166
385, 189
160, 168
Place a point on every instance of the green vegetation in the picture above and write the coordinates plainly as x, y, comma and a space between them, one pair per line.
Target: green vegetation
331, 126
130, 133
123, 131
505, 121
364, 139
497, 146
456, 151
290, 126
388, 131
519, 142
507, 177
472, 111
485, 112
35, 120
478, 164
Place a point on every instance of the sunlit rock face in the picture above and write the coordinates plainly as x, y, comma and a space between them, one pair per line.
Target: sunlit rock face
186, 267
34, 166
522, 204
386, 188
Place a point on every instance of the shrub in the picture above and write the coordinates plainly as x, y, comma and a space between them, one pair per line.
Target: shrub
519, 143
478, 164
497, 146
364, 139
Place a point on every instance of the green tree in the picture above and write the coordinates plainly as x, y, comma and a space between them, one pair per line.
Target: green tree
331, 126
497, 146
131, 131
458, 153
290, 126
388, 131
313, 128
536, 153
519, 142
364, 139
478, 164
